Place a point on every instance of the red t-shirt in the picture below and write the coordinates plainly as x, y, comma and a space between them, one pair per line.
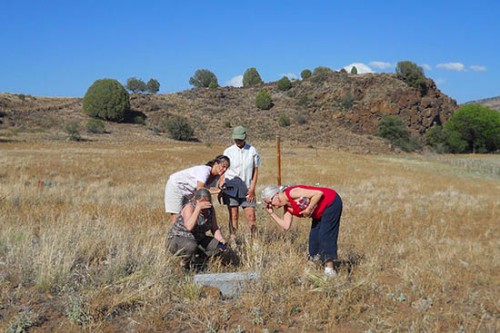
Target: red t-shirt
327, 198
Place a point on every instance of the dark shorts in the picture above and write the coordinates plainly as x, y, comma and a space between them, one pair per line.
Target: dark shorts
234, 201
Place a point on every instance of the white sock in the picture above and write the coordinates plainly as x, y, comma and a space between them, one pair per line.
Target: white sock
330, 271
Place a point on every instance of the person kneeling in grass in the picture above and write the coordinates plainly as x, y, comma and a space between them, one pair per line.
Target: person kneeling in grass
188, 233
322, 204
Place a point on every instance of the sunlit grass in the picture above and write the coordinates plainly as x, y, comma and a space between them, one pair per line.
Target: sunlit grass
83, 229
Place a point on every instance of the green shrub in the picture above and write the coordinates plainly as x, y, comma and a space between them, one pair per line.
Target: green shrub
347, 102
95, 126
251, 78
393, 129
284, 120
263, 100
354, 70
139, 120
73, 130
412, 75
436, 138
202, 78
153, 86
305, 74
320, 74
106, 99
284, 84
477, 125
455, 144
136, 85
304, 101
213, 85
178, 128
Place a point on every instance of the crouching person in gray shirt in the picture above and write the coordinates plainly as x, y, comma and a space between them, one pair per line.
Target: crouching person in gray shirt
188, 234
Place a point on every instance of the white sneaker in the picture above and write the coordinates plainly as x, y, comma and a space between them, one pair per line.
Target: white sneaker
330, 272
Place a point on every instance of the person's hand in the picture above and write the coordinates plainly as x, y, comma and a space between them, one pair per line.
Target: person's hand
269, 208
306, 213
250, 196
203, 204
222, 247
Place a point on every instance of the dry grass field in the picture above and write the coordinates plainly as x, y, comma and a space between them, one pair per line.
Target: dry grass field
83, 230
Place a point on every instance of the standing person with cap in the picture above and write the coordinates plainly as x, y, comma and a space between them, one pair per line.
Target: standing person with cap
240, 181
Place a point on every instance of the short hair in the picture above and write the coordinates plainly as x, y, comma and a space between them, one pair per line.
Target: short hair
269, 191
203, 193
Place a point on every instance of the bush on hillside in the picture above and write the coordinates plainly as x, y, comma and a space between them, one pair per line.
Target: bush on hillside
251, 78
320, 74
393, 129
284, 84
263, 100
73, 130
135, 85
95, 126
178, 128
106, 99
305, 74
354, 70
412, 75
284, 120
153, 86
202, 78
213, 85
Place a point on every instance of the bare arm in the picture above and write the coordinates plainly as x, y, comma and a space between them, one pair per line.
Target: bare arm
285, 222
215, 229
253, 184
190, 214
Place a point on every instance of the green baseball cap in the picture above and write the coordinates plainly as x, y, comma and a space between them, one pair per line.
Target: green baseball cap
239, 133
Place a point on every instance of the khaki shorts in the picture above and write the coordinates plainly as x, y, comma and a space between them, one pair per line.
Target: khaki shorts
174, 200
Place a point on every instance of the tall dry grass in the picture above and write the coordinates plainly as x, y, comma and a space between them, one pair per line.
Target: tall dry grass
83, 230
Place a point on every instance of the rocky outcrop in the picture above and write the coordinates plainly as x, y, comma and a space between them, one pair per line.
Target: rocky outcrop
360, 101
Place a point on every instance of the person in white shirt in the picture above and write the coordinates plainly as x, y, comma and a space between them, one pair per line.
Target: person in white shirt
182, 185
240, 180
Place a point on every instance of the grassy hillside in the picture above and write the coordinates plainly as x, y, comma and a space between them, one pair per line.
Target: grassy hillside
340, 111
83, 230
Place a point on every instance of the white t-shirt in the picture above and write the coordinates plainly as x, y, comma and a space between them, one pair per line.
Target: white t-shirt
239, 175
187, 180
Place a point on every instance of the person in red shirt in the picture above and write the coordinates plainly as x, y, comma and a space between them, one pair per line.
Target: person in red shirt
322, 204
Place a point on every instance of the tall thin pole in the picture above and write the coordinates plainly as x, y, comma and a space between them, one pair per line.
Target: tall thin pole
279, 158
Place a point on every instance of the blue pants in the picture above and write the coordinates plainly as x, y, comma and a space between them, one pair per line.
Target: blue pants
325, 232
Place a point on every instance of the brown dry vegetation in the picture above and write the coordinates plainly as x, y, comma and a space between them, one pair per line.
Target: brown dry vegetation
83, 229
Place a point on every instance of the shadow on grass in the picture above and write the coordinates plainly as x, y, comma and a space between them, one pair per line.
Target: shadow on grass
353, 259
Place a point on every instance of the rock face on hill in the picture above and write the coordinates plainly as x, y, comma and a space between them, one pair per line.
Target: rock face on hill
340, 110
374, 96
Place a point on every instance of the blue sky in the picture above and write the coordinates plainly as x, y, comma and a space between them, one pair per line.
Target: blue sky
59, 48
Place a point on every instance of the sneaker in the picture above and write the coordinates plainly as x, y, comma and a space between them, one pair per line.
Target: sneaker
330, 272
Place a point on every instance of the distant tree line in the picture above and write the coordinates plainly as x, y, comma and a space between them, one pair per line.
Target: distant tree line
136, 85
